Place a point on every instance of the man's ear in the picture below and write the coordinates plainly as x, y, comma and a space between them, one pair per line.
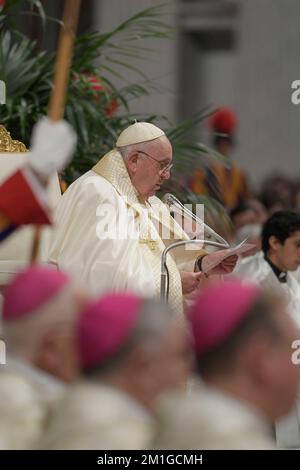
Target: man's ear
274, 243
58, 356
131, 162
258, 358
47, 357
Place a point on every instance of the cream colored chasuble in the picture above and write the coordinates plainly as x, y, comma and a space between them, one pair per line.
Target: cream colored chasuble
128, 254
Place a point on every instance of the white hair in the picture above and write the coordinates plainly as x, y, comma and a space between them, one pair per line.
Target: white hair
153, 322
127, 149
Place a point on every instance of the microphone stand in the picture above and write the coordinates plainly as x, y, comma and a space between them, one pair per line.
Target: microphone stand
164, 269
171, 201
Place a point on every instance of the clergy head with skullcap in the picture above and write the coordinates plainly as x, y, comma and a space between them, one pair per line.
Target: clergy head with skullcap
111, 229
242, 338
242, 341
39, 310
131, 350
134, 343
148, 155
40, 307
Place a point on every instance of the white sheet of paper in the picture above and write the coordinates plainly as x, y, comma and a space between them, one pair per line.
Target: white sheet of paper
214, 259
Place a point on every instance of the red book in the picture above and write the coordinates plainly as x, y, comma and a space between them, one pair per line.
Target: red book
23, 199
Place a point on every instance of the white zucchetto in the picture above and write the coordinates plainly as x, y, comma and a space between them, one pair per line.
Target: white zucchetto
139, 132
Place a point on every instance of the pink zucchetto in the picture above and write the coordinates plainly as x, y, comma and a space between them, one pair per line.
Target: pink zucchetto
104, 327
31, 289
218, 311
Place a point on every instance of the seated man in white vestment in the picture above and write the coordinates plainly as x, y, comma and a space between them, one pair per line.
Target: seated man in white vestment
39, 310
242, 342
111, 229
274, 268
130, 350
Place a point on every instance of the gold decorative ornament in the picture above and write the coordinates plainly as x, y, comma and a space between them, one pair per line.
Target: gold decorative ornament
151, 243
7, 144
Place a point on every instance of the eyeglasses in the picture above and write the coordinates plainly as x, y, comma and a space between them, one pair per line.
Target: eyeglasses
162, 168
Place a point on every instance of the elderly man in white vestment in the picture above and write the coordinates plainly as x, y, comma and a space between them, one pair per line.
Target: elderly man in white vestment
111, 229
242, 341
131, 350
274, 268
39, 311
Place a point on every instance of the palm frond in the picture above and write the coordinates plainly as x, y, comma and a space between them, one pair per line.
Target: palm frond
105, 57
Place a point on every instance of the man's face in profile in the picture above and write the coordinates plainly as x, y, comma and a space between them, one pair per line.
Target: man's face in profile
288, 253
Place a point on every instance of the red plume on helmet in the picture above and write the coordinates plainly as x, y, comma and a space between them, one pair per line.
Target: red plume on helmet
223, 121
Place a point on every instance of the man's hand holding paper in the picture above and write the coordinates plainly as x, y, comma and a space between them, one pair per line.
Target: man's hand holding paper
224, 261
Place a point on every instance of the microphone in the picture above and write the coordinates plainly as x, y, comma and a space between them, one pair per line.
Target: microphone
174, 205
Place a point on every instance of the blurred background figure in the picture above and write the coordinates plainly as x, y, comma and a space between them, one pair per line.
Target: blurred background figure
242, 341
39, 310
252, 211
131, 350
247, 219
277, 193
242, 215
296, 196
227, 184
252, 233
